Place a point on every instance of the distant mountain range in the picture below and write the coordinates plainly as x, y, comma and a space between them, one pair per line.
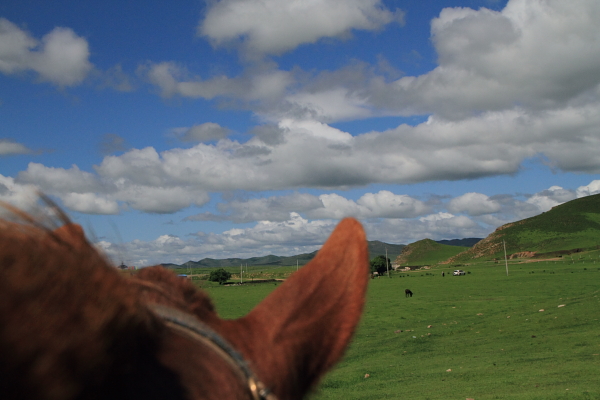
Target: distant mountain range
375, 248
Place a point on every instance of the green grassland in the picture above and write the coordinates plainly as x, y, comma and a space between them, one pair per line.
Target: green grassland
567, 227
427, 252
250, 273
479, 336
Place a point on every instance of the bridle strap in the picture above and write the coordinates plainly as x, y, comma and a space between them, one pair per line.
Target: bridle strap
189, 325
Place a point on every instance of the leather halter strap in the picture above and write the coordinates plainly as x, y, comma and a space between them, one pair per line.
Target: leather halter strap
189, 325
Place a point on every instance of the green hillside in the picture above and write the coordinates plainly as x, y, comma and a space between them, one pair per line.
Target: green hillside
426, 252
569, 227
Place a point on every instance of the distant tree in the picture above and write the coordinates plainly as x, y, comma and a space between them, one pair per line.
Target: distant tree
219, 275
378, 264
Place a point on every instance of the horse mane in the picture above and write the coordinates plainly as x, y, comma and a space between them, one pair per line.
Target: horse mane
73, 327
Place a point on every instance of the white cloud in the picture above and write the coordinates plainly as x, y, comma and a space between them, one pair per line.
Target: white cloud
137, 187
536, 54
295, 235
386, 204
337, 104
436, 227
383, 204
436, 217
89, 203
518, 84
335, 207
24, 197
9, 147
276, 26
160, 200
312, 154
60, 180
592, 188
551, 197
276, 208
61, 57
474, 204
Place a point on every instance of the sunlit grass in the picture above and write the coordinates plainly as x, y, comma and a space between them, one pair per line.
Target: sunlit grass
478, 336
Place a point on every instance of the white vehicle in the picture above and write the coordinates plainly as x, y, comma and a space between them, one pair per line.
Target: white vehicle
458, 272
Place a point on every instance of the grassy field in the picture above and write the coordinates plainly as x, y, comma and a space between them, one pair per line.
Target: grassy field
479, 336
427, 252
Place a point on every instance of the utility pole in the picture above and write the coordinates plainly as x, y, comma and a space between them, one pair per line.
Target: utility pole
241, 273
387, 264
505, 260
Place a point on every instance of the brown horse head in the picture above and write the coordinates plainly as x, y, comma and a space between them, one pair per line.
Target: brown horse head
72, 327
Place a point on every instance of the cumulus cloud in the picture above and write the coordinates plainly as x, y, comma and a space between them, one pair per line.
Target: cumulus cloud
517, 84
23, 196
298, 154
89, 193
60, 57
276, 208
60, 180
536, 54
9, 147
280, 229
435, 227
160, 200
588, 190
89, 203
383, 204
276, 26
474, 204
551, 197
295, 235
531, 57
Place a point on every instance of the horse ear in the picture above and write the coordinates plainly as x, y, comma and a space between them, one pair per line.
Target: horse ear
71, 233
301, 329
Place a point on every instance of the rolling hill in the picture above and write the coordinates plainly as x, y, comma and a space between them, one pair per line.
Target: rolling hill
567, 228
427, 252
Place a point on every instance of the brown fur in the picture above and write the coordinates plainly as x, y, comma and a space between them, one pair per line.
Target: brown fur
72, 327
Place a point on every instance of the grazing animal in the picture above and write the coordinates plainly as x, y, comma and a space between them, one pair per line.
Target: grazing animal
73, 327
408, 293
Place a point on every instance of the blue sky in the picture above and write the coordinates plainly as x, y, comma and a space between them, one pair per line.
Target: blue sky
240, 128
